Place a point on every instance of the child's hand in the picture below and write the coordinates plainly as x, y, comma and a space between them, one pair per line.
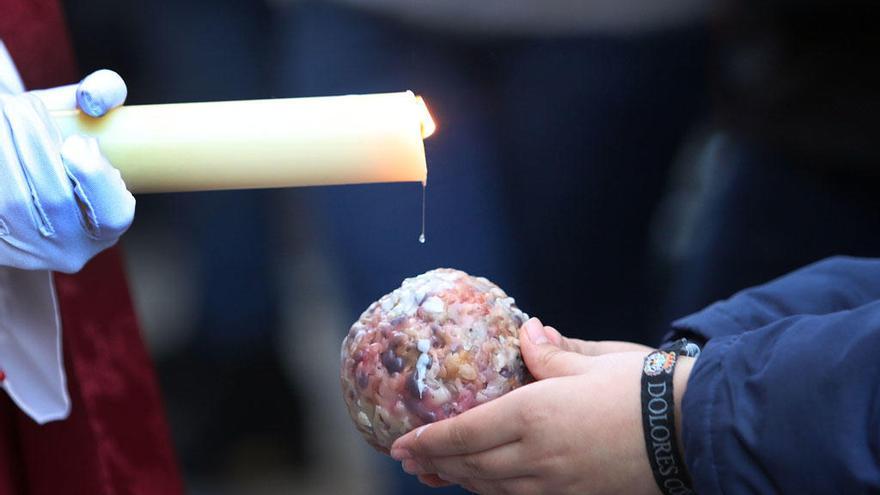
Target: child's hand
577, 430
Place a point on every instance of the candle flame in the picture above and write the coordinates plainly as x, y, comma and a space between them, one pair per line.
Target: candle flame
428, 125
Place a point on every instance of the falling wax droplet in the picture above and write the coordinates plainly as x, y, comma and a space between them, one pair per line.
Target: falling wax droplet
424, 193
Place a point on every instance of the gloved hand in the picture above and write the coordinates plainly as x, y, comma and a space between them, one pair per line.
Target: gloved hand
61, 201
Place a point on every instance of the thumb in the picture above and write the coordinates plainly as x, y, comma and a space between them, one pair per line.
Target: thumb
545, 359
97, 94
100, 92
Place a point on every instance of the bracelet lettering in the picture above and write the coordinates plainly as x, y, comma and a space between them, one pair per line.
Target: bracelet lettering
658, 421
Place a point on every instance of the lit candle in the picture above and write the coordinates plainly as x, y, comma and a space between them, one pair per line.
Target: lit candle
262, 143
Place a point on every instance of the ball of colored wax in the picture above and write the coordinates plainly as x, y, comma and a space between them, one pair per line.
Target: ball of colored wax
439, 345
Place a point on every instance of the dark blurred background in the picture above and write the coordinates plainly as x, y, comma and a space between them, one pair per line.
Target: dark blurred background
612, 165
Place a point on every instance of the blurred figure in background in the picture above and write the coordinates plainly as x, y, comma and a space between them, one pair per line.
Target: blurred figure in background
790, 170
558, 123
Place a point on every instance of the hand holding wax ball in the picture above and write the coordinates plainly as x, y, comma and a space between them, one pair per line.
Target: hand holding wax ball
439, 345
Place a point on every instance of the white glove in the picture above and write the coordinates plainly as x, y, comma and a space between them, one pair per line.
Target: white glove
59, 205
61, 202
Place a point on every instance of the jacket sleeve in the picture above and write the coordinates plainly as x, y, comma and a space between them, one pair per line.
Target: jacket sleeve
831, 285
790, 407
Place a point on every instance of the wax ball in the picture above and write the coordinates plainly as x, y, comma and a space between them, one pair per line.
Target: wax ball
437, 346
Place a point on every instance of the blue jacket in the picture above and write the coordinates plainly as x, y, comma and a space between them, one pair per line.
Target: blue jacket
785, 397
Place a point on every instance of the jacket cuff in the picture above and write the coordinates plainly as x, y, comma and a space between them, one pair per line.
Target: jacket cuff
699, 421
702, 326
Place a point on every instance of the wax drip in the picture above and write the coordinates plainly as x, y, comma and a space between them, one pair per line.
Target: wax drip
422, 364
424, 192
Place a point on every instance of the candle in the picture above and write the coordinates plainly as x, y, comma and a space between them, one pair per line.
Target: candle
262, 143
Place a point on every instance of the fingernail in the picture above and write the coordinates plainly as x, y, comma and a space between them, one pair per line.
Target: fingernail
535, 330
553, 336
444, 477
400, 454
413, 467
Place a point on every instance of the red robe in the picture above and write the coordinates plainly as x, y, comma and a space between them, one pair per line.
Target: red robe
116, 439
